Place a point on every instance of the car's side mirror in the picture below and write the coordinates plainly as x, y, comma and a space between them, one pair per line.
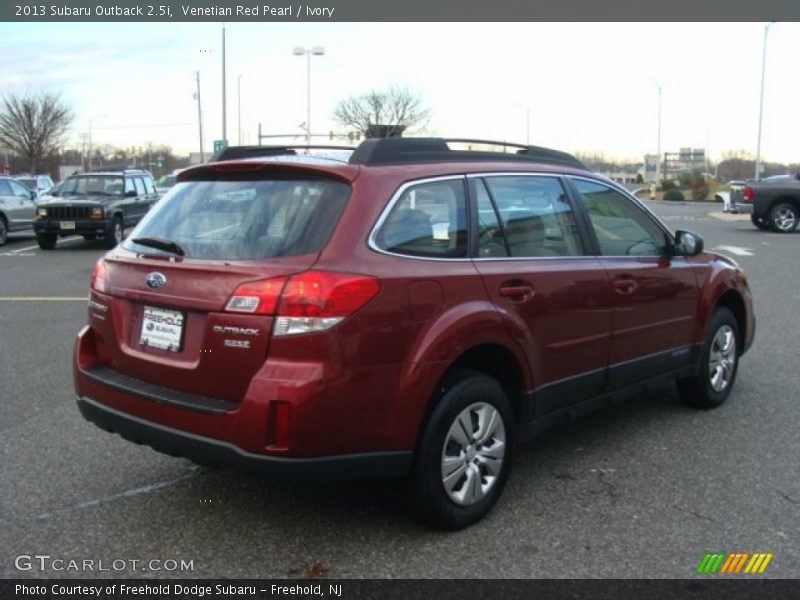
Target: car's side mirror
131, 193
687, 244
33, 195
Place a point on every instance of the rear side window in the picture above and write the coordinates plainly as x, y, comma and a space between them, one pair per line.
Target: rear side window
245, 220
149, 185
139, 186
526, 216
428, 220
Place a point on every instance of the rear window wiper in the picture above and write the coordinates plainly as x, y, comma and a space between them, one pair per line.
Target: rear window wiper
159, 244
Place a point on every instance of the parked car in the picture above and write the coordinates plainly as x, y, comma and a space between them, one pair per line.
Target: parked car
165, 183
38, 183
17, 207
413, 311
773, 202
99, 204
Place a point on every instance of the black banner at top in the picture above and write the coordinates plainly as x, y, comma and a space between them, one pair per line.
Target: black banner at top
405, 10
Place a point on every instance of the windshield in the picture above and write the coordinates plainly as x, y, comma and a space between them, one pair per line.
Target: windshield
93, 185
244, 220
28, 182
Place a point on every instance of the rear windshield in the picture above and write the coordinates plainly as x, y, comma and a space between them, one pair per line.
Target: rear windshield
244, 220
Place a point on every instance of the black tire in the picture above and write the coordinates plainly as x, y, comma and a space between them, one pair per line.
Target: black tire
480, 398
704, 390
46, 241
759, 222
116, 234
3, 230
783, 217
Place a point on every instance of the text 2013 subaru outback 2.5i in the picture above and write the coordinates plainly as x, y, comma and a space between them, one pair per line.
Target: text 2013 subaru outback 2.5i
412, 311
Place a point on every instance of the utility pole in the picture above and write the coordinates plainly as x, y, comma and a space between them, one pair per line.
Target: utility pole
239, 108
199, 116
761, 101
224, 108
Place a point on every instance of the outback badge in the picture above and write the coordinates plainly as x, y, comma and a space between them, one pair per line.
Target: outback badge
155, 280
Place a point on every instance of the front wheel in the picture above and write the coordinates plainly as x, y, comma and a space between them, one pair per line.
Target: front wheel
46, 241
719, 363
116, 234
464, 454
783, 217
759, 222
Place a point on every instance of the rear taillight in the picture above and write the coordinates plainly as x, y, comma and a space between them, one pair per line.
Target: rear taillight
257, 297
307, 302
747, 194
99, 277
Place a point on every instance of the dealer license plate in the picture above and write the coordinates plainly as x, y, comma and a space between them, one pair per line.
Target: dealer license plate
162, 328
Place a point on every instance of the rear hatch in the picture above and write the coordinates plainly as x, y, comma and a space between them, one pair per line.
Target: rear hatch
193, 289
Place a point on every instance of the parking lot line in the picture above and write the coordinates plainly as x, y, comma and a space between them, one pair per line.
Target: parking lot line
36, 247
43, 298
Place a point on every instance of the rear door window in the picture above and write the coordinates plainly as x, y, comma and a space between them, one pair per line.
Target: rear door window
526, 216
245, 220
427, 220
139, 186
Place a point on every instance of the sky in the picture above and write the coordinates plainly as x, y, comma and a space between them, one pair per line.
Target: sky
587, 87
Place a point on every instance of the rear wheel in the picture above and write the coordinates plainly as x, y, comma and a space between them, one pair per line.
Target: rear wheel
116, 234
464, 454
719, 362
46, 241
783, 217
3, 230
759, 222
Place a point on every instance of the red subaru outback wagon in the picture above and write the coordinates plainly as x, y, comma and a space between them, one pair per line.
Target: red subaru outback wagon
414, 310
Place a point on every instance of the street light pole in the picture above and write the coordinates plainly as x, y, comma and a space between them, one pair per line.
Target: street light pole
761, 101
224, 109
239, 105
658, 142
316, 51
200, 117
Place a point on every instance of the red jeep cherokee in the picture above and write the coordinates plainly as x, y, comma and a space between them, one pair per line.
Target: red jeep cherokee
412, 311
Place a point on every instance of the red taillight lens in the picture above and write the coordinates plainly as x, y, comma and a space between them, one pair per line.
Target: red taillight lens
306, 302
257, 297
324, 295
747, 194
99, 277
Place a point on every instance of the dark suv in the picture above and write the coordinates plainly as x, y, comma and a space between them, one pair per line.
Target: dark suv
98, 204
412, 311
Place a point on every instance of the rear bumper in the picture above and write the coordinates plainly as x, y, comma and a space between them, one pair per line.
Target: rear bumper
207, 450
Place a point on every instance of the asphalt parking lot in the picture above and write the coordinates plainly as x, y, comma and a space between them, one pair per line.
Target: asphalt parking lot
642, 490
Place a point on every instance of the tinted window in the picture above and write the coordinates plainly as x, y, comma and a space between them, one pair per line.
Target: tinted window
622, 228
139, 186
241, 220
535, 216
102, 185
429, 219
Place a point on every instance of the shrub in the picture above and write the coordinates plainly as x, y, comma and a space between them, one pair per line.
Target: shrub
699, 185
674, 195
667, 184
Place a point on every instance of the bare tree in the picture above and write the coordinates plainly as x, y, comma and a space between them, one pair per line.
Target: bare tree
382, 114
33, 124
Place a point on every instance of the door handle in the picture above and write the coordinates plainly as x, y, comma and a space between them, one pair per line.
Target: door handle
625, 286
516, 290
